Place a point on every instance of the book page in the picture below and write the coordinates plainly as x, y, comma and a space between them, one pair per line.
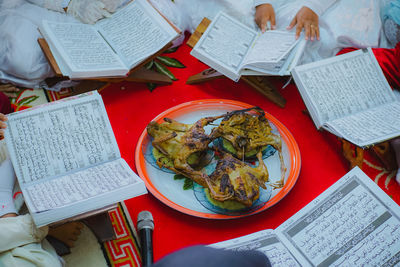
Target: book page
369, 127
136, 32
353, 223
342, 85
283, 67
265, 241
271, 47
82, 192
60, 138
81, 51
80, 186
224, 45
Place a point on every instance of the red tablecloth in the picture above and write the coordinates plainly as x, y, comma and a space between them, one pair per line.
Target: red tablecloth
132, 106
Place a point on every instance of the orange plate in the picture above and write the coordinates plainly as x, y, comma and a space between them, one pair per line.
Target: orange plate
169, 191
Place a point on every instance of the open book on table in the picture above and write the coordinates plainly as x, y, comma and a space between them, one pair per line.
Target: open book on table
67, 160
234, 49
352, 223
349, 96
112, 46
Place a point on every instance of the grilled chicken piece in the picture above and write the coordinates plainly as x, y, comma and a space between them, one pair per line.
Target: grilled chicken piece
179, 141
238, 179
249, 133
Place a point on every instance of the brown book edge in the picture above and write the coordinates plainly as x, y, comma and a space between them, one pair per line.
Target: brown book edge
49, 56
201, 28
169, 22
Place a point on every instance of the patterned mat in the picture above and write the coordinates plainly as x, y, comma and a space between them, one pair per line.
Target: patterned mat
122, 251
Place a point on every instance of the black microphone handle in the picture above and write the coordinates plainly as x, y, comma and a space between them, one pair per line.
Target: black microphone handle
146, 244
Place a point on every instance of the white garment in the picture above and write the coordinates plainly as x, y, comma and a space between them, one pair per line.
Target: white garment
22, 61
24, 245
7, 180
343, 23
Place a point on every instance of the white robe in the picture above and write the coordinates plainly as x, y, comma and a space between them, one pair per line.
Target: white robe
22, 61
343, 23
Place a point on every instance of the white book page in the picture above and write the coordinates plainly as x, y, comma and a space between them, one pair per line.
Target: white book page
271, 47
83, 191
282, 67
265, 241
224, 45
60, 138
80, 186
370, 126
353, 223
81, 51
136, 32
342, 85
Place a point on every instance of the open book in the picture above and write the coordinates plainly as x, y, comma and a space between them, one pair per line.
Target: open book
349, 96
112, 46
352, 223
234, 49
67, 160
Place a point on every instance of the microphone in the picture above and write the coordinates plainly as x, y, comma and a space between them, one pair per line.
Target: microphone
145, 225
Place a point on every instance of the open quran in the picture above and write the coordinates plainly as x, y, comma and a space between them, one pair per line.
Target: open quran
353, 223
349, 96
67, 160
113, 46
234, 49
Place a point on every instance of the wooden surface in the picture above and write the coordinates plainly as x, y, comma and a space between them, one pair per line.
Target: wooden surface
201, 28
260, 83
49, 56
265, 87
204, 76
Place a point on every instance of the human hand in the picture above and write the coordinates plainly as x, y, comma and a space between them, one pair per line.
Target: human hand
265, 13
88, 11
9, 90
112, 5
307, 19
3, 125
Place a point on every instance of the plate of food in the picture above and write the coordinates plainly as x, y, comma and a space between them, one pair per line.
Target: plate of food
217, 159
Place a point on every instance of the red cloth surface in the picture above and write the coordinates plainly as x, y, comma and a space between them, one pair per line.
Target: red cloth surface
388, 59
5, 104
131, 106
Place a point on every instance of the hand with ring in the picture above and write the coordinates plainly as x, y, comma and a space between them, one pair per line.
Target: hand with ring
308, 20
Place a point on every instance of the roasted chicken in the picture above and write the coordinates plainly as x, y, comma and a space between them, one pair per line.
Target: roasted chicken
238, 180
248, 132
182, 146
178, 142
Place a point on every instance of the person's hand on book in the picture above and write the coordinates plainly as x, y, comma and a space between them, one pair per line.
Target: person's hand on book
265, 13
112, 5
88, 11
308, 20
3, 125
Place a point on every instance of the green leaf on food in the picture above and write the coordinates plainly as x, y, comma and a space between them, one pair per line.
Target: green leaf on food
188, 184
160, 68
171, 62
179, 177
